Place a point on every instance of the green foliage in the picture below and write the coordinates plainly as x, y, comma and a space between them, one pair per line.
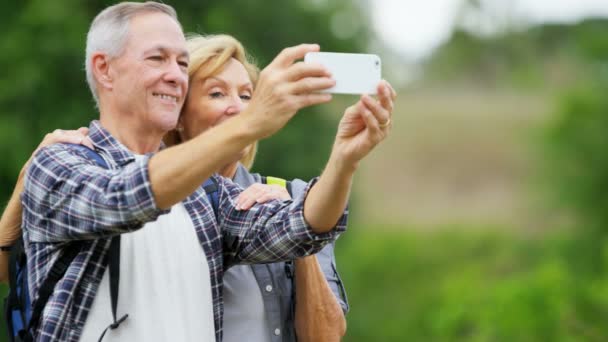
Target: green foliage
43, 85
577, 154
466, 286
533, 57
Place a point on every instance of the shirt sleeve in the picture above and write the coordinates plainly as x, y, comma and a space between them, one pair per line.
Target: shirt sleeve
69, 197
269, 232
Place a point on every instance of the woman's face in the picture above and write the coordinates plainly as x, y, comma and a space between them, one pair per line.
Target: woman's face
214, 99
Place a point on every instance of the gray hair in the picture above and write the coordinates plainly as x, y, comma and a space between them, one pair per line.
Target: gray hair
109, 31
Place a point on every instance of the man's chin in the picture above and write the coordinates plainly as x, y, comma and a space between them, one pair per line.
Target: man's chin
166, 121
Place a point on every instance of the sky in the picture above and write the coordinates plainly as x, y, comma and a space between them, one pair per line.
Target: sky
416, 27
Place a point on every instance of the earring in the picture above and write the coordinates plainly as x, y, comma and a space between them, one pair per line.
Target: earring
179, 128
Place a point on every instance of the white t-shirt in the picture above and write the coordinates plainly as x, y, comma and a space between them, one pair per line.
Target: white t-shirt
164, 286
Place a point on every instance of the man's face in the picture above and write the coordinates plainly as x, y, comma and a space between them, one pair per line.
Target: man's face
150, 77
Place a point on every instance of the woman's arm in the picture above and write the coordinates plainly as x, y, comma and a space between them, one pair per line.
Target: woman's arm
10, 226
319, 316
10, 223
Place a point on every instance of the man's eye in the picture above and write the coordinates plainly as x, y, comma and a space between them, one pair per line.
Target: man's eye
155, 58
183, 65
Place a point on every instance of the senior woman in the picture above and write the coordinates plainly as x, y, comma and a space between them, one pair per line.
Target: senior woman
259, 300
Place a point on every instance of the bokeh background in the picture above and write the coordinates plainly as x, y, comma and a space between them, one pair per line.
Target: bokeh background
484, 216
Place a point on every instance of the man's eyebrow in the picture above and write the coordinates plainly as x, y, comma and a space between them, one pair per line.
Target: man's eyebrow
166, 50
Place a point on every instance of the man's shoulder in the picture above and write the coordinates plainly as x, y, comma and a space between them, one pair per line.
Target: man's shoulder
58, 158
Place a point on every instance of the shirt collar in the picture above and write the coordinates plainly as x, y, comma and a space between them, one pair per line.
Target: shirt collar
104, 141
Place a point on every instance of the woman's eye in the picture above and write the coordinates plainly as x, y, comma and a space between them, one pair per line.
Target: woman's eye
245, 97
216, 94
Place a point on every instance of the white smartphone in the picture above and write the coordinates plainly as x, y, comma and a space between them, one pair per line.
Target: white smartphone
355, 73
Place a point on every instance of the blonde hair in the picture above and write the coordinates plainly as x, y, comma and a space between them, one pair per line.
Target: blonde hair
109, 31
208, 54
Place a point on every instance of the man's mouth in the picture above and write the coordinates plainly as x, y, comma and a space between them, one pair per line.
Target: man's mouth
167, 97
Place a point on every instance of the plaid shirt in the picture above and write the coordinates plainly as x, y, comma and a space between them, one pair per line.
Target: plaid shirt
68, 199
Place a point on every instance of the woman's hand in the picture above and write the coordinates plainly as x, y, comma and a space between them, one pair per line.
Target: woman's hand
260, 193
77, 136
364, 125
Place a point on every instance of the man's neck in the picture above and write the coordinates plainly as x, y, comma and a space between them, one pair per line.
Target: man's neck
133, 135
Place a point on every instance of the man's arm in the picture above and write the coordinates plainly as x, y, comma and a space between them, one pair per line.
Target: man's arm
268, 232
69, 197
284, 88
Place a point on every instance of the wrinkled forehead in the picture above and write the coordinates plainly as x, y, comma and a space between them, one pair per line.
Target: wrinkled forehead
155, 31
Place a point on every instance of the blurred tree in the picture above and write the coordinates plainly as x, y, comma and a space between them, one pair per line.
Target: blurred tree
43, 87
543, 56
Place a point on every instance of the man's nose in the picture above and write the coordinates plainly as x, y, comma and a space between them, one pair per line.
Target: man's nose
176, 74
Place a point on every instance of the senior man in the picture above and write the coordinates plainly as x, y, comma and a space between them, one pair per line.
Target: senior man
171, 268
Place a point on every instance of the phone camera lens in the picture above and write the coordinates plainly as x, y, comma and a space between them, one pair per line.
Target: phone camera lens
377, 63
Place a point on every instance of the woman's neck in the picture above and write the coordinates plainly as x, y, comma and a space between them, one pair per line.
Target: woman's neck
229, 170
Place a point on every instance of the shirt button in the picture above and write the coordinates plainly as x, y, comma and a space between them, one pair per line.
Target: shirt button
277, 331
269, 289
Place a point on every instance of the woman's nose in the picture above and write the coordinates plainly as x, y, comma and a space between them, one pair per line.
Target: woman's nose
235, 107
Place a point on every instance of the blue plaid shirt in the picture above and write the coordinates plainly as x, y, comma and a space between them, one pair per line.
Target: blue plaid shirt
69, 199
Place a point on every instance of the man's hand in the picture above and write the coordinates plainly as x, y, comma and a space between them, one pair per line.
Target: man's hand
364, 125
286, 86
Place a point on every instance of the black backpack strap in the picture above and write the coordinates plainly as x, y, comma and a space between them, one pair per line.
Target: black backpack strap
114, 269
12, 301
48, 285
113, 258
211, 188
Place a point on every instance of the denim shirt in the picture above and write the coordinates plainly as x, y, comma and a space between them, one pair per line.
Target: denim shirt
276, 280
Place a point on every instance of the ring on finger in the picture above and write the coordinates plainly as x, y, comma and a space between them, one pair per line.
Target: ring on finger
385, 124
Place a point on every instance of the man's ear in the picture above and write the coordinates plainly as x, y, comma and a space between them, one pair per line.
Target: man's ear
101, 70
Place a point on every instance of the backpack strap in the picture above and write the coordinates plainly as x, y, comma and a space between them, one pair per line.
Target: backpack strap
113, 256
58, 269
211, 188
48, 286
277, 181
114, 269
13, 301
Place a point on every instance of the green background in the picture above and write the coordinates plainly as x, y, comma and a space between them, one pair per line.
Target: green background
540, 274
